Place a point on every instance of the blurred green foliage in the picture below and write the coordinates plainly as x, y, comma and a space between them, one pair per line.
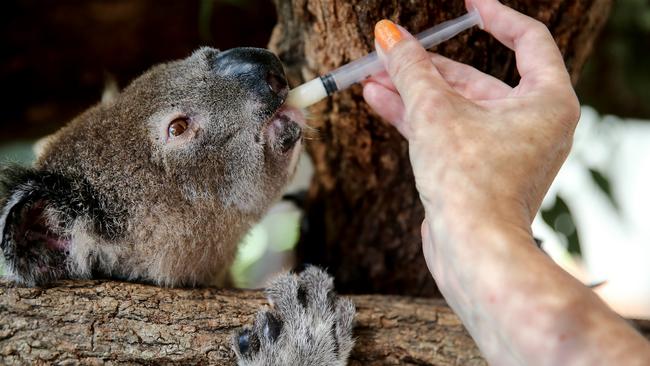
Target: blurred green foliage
616, 78
559, 218
603, 183
278, 233
17, 152
631, 16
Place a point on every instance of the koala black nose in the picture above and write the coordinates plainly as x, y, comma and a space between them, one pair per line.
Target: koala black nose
257, 70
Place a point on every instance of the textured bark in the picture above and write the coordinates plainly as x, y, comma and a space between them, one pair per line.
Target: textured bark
104, 322
97, 322
364, 214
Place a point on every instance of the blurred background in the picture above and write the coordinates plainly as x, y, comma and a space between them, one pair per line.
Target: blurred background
59, 57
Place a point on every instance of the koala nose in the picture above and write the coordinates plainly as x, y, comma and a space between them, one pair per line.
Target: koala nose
257, 70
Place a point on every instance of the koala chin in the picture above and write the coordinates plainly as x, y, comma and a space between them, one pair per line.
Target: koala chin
160, 184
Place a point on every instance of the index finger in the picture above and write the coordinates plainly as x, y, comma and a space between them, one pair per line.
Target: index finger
539, 60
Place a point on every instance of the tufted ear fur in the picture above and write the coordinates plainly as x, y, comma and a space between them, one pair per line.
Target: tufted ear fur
33, 222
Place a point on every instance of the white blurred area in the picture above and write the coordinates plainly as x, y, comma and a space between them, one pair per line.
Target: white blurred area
268, 249
615, 242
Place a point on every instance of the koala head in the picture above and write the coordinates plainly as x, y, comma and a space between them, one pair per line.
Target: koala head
161, 183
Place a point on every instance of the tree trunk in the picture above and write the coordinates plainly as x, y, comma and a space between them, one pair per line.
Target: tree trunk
364, 214
95, 322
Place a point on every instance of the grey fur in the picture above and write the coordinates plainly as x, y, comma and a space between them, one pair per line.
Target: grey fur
111, 195
174, 210
307, 324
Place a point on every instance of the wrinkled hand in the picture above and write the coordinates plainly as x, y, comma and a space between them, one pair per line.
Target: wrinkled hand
483, 155
472, 138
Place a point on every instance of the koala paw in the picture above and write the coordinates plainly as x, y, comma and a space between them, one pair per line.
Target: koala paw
306, 324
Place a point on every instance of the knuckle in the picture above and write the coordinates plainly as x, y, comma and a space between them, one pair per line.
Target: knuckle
407, 60
574, 110
540, 28
569, 110
561, 107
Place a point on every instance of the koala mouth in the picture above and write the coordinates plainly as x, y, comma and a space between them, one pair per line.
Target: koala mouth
284, 128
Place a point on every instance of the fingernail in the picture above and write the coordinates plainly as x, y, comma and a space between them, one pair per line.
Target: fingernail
387, 34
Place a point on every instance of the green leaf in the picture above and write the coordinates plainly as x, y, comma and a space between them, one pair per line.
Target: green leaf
603, 183
559, 218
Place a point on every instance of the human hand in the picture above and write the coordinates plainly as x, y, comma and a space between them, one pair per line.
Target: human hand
473, 140
483, 155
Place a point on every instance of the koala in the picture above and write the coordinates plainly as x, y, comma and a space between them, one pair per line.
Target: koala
160, 184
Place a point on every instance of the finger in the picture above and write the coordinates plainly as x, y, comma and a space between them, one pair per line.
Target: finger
468, 81
410, 68
424, 230
387, 104
427, 246
539, 61
383, 79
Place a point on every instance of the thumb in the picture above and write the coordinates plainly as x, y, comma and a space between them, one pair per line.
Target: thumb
409, 65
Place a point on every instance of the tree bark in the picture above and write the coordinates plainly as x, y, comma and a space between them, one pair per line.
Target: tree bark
364, 213
105, 322
95, 322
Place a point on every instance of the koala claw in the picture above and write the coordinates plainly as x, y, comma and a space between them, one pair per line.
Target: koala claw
306, 324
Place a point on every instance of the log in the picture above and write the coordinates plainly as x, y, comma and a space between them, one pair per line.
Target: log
364, 213
97, 322
107, 322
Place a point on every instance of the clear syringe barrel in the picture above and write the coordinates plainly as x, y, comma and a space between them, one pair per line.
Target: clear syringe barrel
366, 66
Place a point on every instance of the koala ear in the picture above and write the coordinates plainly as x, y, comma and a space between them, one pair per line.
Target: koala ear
32, 225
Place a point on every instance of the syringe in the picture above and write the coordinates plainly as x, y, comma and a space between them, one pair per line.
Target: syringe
358, 70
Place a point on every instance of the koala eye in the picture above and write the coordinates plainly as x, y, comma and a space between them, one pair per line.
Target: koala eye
177, 127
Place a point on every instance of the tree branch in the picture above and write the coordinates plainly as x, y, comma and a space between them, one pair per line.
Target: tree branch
104, 321
94, 322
